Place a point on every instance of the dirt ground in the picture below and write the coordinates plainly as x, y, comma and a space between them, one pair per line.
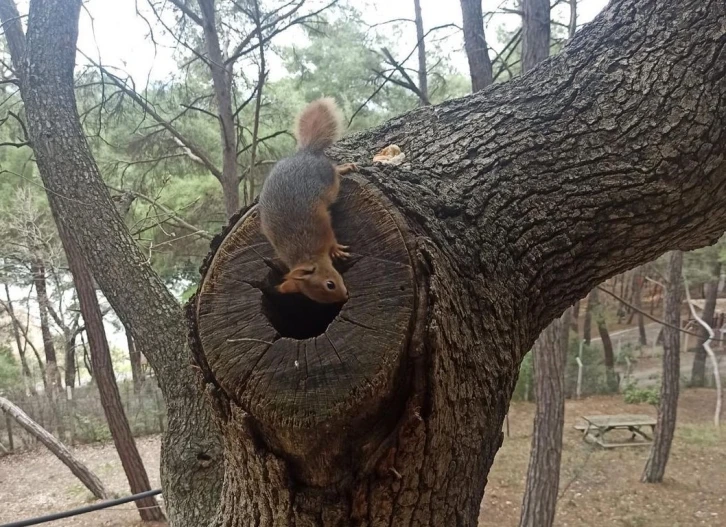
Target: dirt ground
597, 487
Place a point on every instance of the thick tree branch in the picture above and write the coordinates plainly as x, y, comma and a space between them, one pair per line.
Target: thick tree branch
136, 293
584, 168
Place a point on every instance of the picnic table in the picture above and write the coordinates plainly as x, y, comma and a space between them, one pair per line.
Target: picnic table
595, 428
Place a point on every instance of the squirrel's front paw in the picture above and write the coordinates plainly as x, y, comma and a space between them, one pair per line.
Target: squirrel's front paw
347, 168
339, 251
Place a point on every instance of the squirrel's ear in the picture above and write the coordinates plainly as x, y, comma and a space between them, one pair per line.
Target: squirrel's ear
300, 273
288, 286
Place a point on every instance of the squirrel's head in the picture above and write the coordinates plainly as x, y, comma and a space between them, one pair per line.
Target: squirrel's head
318, 281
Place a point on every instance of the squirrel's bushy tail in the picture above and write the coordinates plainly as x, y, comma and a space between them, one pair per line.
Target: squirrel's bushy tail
319, 125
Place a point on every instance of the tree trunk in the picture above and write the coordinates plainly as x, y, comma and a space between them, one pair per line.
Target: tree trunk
191, 450
137, 374
475, 44
51, 362
572, 26
598, 312
574, 318
15, 323
521, 200
535, 32
58, 449
222, 82
587, 323
698, 370
71, 358
638, 279
668, 406
423, 83
105, 379
543, 474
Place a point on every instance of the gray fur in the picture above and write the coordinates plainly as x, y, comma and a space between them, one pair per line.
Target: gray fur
293, 188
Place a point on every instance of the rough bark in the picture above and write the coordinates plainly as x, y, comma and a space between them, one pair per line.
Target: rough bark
475, 44
668, 406
698, 370
520, 200
535, 32
105, 379
58, 449
191, 453
423, 83
222, 82
543, 474
137, 373
37, 268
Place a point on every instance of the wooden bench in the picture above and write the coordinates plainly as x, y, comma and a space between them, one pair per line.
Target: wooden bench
595, 427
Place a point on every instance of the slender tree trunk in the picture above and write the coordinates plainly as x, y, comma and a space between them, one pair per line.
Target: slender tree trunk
638, 279
535, 32
137, 374
222, 82
123, 439
71, 358
191, 457
698, 370
15, 323
543, 474
574, 319
58, 449
51, 361
475, 44
587, 323
423, 83
668, 406
607, 344
572, 26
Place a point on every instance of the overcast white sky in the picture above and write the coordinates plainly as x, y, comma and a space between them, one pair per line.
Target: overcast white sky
121, 35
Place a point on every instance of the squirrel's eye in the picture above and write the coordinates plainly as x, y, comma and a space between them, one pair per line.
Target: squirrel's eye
330, 285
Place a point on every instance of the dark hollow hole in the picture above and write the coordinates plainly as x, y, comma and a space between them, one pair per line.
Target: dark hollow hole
295, 316
201, 456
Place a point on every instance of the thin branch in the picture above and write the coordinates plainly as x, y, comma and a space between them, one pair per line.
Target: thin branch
198, 156
166, 210
651, 317
409, 84
188, 12
242, 48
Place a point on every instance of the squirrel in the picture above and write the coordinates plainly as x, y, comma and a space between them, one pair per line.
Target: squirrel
294, 207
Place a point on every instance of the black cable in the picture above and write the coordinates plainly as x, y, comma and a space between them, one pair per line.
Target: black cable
82, 510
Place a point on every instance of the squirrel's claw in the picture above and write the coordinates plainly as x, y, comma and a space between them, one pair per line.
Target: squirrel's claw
339, 251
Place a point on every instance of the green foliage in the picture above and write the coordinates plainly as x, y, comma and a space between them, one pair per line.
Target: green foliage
594, 379
632, 394
699, 435
524, 389
10, 374
93, 429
